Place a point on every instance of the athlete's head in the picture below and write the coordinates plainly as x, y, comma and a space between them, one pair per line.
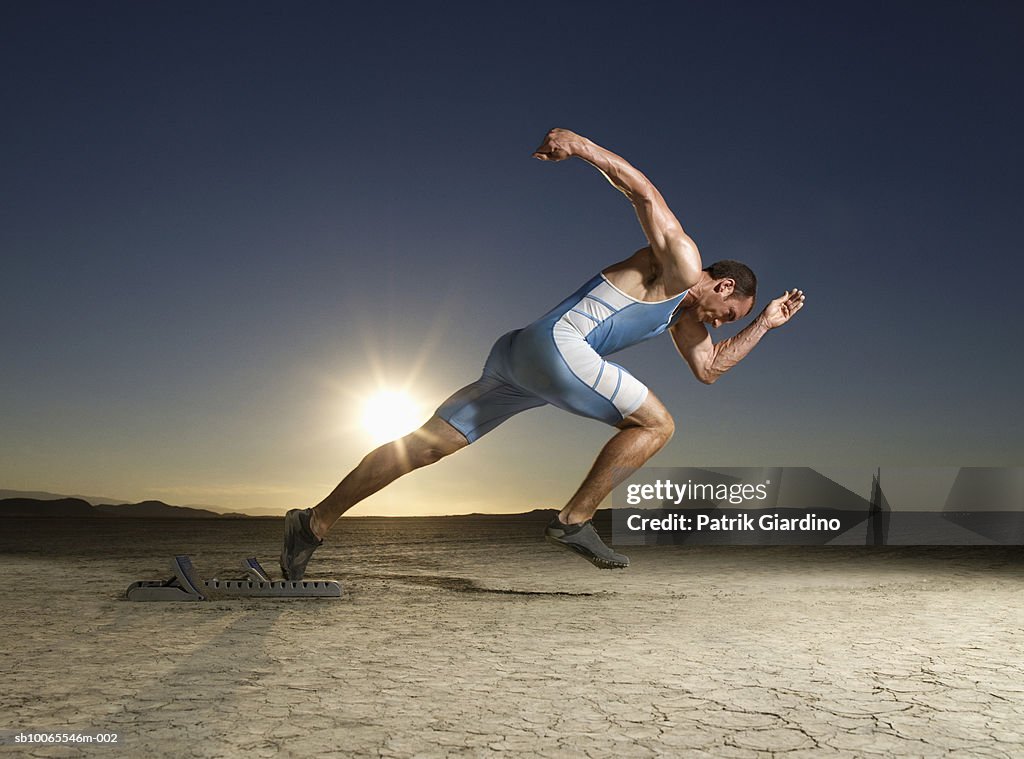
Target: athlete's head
729, 295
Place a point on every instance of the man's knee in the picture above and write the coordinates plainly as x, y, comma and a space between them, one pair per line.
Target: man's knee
667, 427
664, 427
432, 442
430, 454
652, 416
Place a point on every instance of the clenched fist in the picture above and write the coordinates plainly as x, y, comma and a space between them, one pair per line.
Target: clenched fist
558, 145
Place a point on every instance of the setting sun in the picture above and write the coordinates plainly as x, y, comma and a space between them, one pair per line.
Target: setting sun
389, 415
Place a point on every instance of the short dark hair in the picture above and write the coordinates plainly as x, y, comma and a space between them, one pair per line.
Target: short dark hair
746, 282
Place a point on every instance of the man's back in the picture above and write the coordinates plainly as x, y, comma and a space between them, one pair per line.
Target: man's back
641, 277
605, 316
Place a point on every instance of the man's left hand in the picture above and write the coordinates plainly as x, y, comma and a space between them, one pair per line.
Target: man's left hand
781, 310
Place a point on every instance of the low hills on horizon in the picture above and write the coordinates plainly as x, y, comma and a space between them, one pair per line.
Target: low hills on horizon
36, 504
78, 508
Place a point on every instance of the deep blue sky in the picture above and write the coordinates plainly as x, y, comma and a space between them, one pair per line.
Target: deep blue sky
224, 223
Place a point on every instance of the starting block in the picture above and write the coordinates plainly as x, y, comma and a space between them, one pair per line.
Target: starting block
186, 586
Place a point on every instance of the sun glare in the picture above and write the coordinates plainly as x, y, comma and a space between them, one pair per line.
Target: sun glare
389, 415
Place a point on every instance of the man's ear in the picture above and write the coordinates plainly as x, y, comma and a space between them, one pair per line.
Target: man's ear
725, 287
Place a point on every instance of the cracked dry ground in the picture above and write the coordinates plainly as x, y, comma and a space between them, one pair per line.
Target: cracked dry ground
498, 643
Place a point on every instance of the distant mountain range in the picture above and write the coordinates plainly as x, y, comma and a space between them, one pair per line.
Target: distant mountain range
39, 503
58, 506
63, 507
43, 495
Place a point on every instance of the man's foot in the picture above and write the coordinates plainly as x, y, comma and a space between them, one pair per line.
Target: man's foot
584, 540
299, 544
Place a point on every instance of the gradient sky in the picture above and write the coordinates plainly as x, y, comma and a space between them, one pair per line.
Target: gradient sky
224, 224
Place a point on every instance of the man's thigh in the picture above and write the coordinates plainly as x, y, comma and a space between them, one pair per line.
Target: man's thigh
568, 373
481, 406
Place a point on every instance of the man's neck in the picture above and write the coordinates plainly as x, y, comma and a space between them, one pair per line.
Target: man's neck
697, 291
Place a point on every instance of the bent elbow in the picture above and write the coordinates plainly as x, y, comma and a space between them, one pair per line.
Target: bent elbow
708, 378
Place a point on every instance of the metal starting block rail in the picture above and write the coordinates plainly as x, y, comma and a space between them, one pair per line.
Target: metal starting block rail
186, 586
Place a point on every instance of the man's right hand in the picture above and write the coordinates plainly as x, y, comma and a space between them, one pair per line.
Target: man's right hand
558, 145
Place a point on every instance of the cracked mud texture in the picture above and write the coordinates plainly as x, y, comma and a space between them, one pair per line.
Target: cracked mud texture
473, 637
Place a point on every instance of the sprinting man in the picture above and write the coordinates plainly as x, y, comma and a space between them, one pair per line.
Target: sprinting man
560, 359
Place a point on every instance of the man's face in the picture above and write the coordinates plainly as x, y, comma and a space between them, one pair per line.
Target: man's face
720, 306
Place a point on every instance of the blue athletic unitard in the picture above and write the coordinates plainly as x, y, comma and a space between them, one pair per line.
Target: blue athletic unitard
559, 359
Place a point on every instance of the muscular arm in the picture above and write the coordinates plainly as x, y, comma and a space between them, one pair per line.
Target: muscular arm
675, 251
708, 360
